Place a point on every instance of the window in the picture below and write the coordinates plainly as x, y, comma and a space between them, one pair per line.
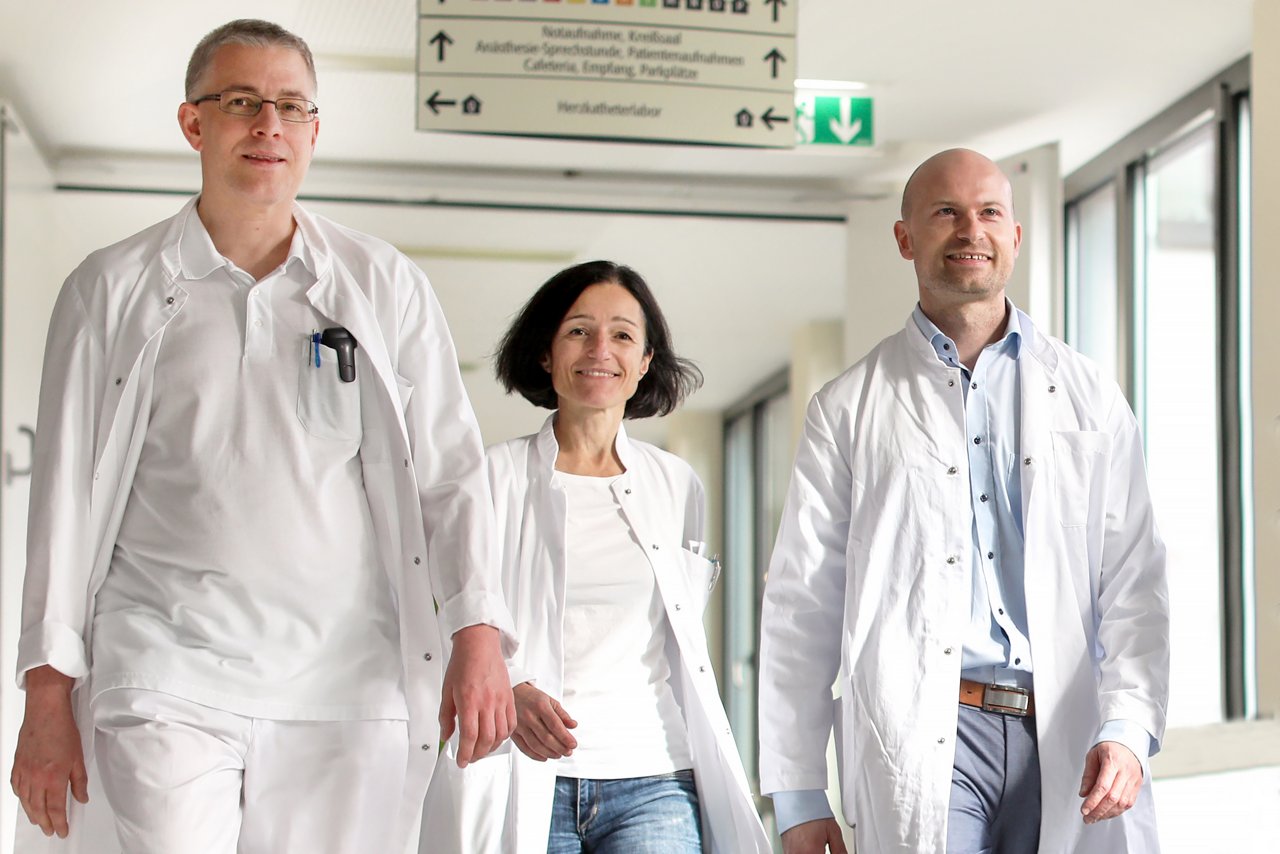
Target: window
1157, 293
758, 457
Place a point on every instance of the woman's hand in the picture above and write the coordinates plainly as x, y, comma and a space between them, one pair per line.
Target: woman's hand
542, 725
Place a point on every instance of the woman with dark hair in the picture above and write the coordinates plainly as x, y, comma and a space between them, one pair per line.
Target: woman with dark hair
623, 743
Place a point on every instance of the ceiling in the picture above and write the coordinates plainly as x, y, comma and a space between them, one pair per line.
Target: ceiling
98, 85
1000, 74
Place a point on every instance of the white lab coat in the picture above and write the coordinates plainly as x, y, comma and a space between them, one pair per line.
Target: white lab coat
869, 589
503, 803
421, 455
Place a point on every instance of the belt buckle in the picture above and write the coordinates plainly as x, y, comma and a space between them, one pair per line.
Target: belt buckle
1006, 699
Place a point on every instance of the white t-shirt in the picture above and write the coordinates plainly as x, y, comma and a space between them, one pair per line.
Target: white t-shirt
616, 674
245, 574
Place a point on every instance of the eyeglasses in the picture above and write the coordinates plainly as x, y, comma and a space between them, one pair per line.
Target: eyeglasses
247, 104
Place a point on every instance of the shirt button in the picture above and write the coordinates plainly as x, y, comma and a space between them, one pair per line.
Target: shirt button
257, 323
951, 383
982, 497
119, 380
1017, 661
1026, 461
169, 301
702, 668
991, 555
426, 656
973, 385
946, 346
655, 547
677, 606
1000, 611
406, 463
417, 560
977, 440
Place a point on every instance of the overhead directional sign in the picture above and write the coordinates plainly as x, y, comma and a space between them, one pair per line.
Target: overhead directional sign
700, 71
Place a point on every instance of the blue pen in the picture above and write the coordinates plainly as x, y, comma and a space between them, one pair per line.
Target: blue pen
315, 345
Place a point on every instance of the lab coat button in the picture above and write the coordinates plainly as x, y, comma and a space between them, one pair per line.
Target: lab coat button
417, 560
942, 741
1026, 461
655, 547
951, 559
1052, 389
426, 747
677, 606
426, 656
947, 651
627, 491
950, 383
702, 668
952, 470
119, 380
169, 301
406, 463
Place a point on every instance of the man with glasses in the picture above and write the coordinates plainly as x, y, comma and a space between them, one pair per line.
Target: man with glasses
259, 521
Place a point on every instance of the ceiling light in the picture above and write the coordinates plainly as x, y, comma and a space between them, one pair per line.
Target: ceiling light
831, 85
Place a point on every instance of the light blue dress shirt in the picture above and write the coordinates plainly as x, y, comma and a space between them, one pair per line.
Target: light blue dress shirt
996, 649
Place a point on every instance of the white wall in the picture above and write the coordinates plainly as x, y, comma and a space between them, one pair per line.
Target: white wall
29, 288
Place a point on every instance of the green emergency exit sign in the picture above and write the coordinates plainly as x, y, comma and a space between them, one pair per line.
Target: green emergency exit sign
823, 120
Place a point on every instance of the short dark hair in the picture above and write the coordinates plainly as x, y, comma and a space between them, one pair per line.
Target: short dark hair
245, 31
669, 380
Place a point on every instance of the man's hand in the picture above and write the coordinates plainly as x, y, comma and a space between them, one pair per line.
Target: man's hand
477, 691
814, 837
1112, 779
542, 725
49, 756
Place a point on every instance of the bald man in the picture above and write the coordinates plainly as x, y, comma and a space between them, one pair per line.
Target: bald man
968, 553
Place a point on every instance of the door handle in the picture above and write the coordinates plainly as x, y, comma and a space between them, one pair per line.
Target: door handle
10, 471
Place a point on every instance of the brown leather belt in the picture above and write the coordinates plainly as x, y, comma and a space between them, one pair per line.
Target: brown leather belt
1005, 699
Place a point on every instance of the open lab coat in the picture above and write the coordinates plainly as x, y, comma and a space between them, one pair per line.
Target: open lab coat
421, 455
503, 802
869, 588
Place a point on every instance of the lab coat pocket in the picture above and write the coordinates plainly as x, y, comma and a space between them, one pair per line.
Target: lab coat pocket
405, 389
1081, 462
327, 407
701, 576
467, 809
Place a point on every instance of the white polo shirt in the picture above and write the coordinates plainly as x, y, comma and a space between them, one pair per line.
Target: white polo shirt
245, 574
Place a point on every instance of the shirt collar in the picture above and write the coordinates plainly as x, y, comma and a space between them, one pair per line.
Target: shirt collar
198, 257
945, 348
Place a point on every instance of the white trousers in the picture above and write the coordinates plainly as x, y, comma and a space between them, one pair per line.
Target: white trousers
183, 778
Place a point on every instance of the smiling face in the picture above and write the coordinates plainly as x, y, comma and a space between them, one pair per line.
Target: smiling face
958, 229
257, 161
597, 354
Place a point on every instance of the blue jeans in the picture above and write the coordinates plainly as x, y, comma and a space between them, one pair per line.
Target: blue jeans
638, 815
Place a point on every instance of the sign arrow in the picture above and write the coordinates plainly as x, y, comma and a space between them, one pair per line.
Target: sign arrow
435, 102
774, 3
441, 39
774, 57
847, 129
769, 118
